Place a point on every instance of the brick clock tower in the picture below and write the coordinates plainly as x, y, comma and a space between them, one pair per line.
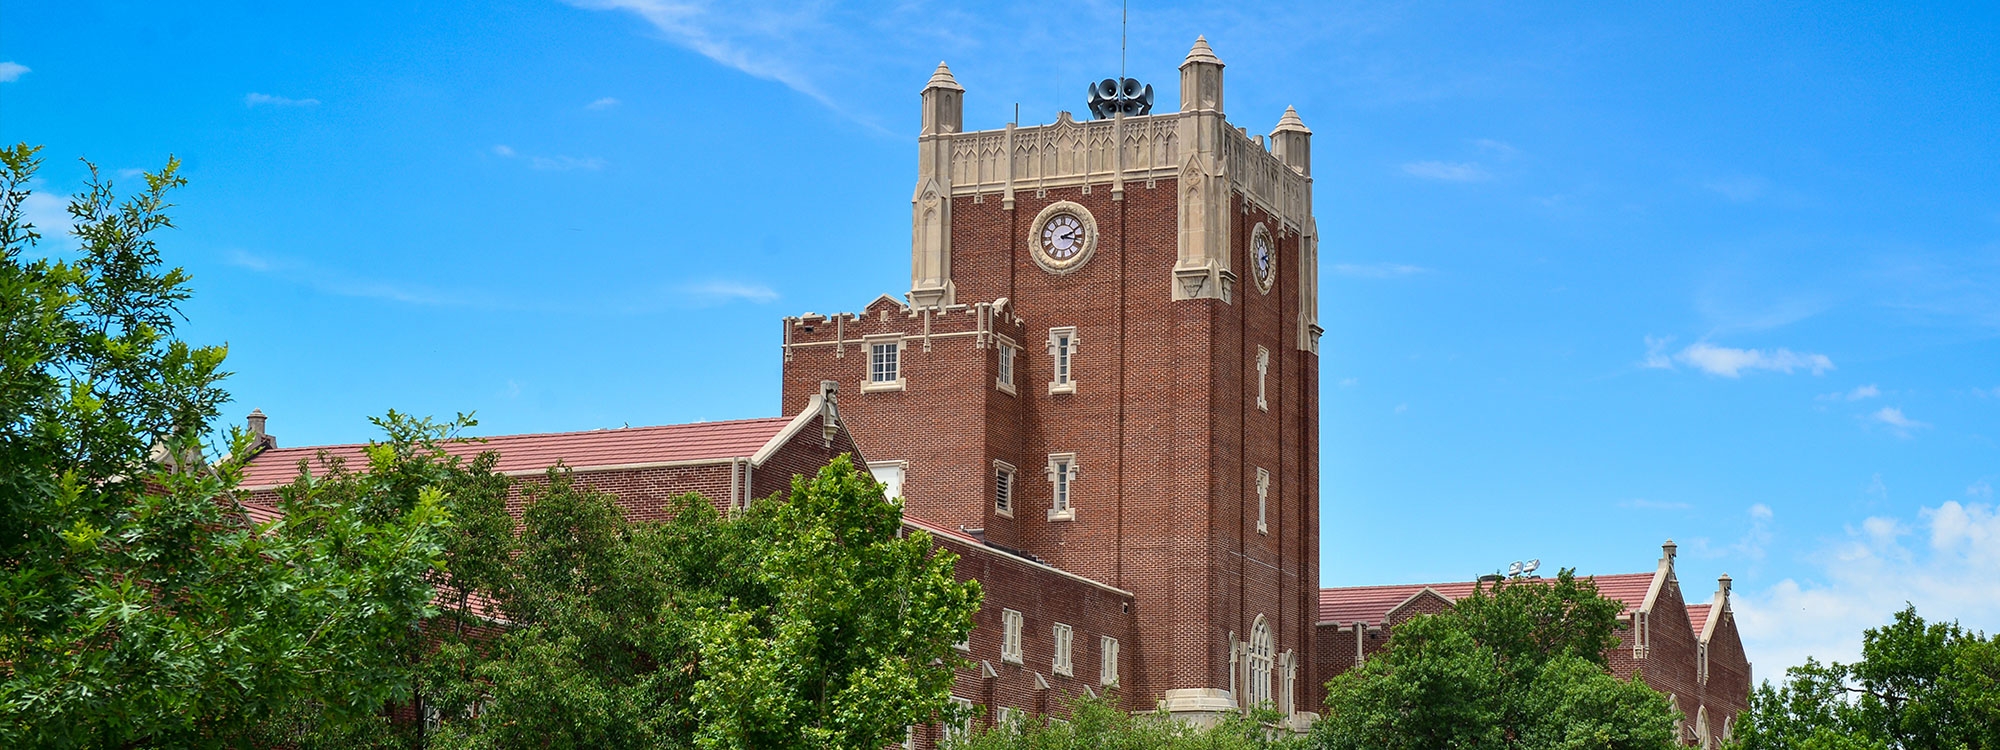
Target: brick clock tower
1107, 363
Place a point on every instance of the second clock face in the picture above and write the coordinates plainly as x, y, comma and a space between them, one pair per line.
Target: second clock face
1264, 261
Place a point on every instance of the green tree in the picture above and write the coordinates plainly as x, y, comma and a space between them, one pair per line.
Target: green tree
137, 607
1098, 724
1519, 666
804, 622
1918, 685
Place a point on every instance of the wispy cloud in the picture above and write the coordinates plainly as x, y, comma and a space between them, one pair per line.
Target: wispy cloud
1349, 382
1445, 171
603, 104
564, 163
1730, 362
1859, 393
254, 99
49, 212
752, 42
551, 163
336, 282
1500, 149
1897, 423
718, 292
1946, 561
11, 71
1641, 503
1378, 270
1738, 188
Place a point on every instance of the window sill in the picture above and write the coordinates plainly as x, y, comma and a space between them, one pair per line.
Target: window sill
1067, 514
1003, 513
1004, 388
1015, 660
1069, 387
894, 385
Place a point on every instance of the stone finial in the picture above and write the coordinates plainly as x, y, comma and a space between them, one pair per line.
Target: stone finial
256, 422
1201, 54
942, 79
1290, 123
1667, 550
1201, 79
1722, 584
944, 110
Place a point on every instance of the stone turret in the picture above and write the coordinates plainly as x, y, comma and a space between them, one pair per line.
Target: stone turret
930, 205
1201, 79
1291, 142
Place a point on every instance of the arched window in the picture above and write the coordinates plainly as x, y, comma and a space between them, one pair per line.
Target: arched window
1259, 688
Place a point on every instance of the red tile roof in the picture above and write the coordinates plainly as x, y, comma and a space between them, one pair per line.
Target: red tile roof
536, 452
1370, 604
1698, 616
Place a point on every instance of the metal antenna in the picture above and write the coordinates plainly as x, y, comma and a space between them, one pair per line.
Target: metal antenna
1124, 18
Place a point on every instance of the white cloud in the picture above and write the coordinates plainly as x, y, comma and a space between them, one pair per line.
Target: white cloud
1738, 188
564, 163
1898, 423
11, 71
604, 103
1641, 503
1446, 171
1730, 363
1952, 573
752, 42
1862, 392
1656, 353
1979, 489
334, 281
1377, 270
1400, 408
551, 163
715, 292
50, 215
1349, 382
253, 99
1500, 148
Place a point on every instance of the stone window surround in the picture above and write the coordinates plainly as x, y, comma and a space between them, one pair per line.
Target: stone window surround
868, 383
1062, 664
1011, 625
947, 731
1007, 366
902, 469
1063, 488
1062, 364
1263, 372
1107, 669
1004, 489
1263, 500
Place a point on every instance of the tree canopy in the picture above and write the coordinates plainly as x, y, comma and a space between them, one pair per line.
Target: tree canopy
1518, 666
804, 622
138, 606
1098, 724
1918, 686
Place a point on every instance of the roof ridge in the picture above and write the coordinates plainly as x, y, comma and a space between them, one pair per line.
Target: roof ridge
591, 431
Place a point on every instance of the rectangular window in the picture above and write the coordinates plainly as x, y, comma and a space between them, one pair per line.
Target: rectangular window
1062, 354
1107, 665
1263, 369
890, 474
1010, 636
1263, 499
1005, 717
1003, 377
1061, 664
885, 364
1062, 475
960, 727
1003, 488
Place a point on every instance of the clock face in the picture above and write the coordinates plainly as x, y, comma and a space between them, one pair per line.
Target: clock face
1265, 264
1062, 237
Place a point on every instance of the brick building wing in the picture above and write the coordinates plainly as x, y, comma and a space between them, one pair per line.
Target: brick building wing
1691, 652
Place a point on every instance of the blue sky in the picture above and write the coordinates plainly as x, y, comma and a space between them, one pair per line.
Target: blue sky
1594, 276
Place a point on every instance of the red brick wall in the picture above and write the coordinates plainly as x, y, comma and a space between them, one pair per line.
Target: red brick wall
1164, 424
